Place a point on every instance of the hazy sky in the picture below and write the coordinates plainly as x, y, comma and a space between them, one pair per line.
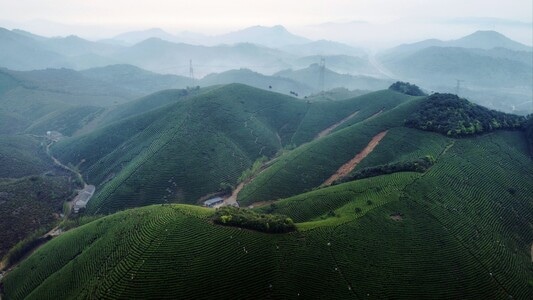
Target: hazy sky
98, 18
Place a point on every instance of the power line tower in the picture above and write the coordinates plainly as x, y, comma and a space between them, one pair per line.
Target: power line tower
458, 86
191, 71
322, 72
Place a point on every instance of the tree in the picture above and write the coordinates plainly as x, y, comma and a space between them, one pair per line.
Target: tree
407, 88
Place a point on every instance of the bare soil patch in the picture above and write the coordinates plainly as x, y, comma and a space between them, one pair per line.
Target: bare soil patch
232, 200
351, 164
332, 127
374, 115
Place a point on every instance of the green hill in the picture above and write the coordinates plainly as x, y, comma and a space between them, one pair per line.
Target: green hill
137, 80
311, 164
187, 149
459, 230
53, 100
257, 80
67, 101
451, 115
311, 77
336, 94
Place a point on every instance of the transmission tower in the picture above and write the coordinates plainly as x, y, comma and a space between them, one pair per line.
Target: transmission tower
458, 86
191, 71
322, 71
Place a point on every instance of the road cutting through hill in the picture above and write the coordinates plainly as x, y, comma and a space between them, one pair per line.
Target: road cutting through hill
351, 164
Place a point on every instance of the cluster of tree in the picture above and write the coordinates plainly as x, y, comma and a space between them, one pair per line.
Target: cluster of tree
25, 247
419, 165
407, 88
245, 218
453, 116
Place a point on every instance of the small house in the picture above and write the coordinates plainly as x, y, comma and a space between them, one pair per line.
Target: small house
213, 201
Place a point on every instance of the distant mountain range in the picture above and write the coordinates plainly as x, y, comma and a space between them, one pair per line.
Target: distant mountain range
262, 49
275, 37
488, 67
485, 60
480, 39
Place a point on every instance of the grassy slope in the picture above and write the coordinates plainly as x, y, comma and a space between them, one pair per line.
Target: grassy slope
470, 196
311, 164
150, 102
183, 151
463, 235
67, 120
53, 99
121, 254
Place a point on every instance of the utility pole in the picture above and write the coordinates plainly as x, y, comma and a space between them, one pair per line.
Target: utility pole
322, 71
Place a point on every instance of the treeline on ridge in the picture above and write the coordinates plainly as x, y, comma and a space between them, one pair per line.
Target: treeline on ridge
453, 116
245, 218
407, 88
419, 165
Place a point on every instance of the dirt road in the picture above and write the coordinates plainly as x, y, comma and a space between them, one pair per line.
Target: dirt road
351, 164
332, 127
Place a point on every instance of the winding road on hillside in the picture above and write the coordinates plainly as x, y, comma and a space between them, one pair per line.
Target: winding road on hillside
60, 164
84, 195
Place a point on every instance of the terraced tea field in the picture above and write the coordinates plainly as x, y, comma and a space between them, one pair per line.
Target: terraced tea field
460, 228
190, 148
463, 231
311, 164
